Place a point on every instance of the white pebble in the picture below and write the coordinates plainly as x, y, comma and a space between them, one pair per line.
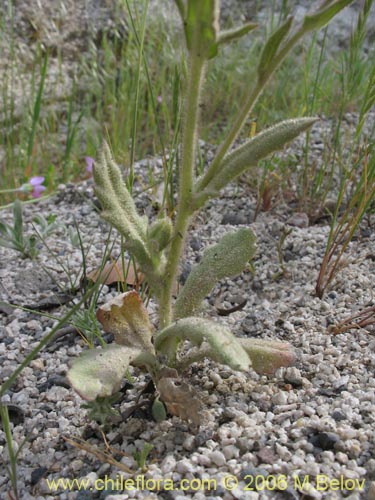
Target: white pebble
217, 458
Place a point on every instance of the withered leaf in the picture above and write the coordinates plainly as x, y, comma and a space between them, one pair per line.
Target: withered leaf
127, 318
115, 272
180, 399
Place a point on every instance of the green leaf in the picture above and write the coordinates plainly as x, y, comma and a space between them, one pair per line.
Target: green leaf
223, 343
202, 27
271, 47
227, 258
235, 33
323, 16
268, 355
158, 411
99, 372
255, 149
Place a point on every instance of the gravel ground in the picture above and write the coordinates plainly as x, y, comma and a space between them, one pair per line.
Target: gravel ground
312, 422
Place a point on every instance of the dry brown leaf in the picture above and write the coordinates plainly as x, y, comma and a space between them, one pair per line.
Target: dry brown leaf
114, 272
127, 318
180, 399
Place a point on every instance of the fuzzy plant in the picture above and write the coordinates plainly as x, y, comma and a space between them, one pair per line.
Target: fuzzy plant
182, 337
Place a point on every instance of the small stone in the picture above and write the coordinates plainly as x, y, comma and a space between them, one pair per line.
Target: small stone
168, 464
342, 457
184, 466
204, 460
280, 398
215, 377
217, 458
293, 376
252, 325
371, 491
231, 451
370, 466
325, 440
338, 416
37, 364
195, 244
299, 219
266, 455
84, 495
236, 219
253, 472
189, 443
37, 474
90, 479
76, 465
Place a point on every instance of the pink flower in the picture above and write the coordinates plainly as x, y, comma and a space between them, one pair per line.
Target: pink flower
89, 164
159, 99
37, 185
34, 186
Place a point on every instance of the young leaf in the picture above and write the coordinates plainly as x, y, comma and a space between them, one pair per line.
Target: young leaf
235, 33
255, 149
119, 208
227, 258
224, 344
127, 318
159, 235
323, 16
98, 373
271, 47
267, 355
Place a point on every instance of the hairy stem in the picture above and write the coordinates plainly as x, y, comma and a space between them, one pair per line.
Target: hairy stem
186, 177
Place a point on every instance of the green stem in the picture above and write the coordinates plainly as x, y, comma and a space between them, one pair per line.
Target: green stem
186, 177
3, 191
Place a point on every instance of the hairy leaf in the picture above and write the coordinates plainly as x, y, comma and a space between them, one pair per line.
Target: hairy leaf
223, 343
255, 149
227, 258
267, 355
119, 208
159, 235
127, 318
98, 373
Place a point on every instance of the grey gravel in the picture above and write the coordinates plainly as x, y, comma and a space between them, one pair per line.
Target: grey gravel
316, 417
